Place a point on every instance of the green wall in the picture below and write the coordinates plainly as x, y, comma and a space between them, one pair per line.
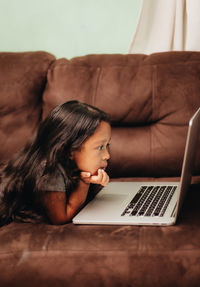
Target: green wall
68, 28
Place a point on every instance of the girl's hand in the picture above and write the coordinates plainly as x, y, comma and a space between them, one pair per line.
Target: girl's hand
101, 178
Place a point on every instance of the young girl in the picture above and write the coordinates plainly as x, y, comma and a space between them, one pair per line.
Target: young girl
51, 177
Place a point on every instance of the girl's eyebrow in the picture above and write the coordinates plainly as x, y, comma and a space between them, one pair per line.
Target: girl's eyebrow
102, 141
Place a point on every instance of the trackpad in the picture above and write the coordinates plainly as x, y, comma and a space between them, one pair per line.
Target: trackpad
104, 202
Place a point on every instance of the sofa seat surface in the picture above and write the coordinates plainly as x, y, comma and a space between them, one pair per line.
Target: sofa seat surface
104, 255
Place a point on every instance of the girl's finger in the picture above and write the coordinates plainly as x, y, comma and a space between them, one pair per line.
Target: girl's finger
102, 178
105, 179
97, 179
85, 174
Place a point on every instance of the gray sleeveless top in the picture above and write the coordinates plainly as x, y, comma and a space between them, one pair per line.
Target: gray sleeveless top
54, 182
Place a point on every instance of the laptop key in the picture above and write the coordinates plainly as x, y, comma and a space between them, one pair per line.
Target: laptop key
168, 201
134, 201
151, 194
162, 201
141, 201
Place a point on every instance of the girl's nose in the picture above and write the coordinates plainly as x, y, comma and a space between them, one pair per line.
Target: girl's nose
106, 155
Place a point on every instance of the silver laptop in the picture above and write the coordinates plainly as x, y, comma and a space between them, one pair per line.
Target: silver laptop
144, 203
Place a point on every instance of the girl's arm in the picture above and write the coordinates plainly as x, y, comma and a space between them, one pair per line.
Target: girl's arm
59, 210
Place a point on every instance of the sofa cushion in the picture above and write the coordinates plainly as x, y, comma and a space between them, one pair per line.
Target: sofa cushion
22, 81
150, 99
103, 255
107, 81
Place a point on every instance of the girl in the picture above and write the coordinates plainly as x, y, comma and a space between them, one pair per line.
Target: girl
51, 177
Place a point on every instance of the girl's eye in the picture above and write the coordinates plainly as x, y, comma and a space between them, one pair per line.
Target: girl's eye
100, 147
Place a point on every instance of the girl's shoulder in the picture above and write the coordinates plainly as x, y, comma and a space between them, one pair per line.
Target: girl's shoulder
54, 181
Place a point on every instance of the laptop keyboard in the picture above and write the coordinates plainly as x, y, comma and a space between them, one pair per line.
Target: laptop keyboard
150, 201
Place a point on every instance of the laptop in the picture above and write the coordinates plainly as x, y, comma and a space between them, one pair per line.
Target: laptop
144, 203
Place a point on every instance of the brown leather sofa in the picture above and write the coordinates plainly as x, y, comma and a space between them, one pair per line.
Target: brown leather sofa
150, 99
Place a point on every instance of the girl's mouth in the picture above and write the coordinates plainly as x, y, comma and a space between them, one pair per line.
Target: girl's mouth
103, 167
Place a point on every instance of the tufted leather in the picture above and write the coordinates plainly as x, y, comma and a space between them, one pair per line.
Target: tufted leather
22, 81
150, 99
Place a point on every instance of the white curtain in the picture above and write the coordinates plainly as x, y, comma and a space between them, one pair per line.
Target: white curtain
167, 25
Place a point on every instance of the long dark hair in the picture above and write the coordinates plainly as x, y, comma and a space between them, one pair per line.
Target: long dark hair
64, 130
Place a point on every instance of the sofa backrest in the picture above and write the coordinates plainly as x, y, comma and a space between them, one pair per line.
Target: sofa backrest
150, 99
22, 81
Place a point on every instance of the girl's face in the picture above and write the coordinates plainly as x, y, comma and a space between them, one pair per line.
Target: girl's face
94, 152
